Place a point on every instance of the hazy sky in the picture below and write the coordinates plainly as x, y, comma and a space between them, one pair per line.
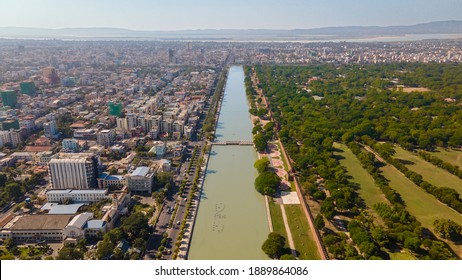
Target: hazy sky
223, 14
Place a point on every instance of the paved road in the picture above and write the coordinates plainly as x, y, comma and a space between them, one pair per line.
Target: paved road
171, 200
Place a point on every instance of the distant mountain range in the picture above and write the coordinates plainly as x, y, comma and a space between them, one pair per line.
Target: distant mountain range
438, 27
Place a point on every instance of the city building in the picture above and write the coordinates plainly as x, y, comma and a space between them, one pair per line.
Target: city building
140, 180
12, 136
27, 88
115, 109
76, 196
50, 128
75, 229
10, 124
9, 98
71, 145
73, 171
105, 137
50, 76
122, 123
105, 180
69, 81
159, 148
36, 228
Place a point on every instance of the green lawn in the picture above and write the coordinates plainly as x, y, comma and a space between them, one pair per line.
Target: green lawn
367, 188
276, 218
420, 204
450, 156
430, 173
301, 233
401, 256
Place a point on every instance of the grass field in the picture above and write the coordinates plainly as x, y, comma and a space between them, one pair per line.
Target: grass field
276, 218
430, 173
301, 233
450, 156
420, 204
401, 256
367, 188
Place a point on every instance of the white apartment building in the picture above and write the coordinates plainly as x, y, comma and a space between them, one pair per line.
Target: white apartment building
73, 171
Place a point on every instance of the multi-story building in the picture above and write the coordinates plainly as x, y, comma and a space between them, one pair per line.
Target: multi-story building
43, 158
13, 137
115, 109
50, 128
140, 180
9, 98
122, 124
27, 88
50, 76
74, 171
27, 122
71, 145
105, 137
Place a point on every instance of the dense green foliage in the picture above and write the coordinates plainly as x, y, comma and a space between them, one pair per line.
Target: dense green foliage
448, 229
313, 106
267, 183
13, 190
262, 165
134, 229
274, 245
72, 252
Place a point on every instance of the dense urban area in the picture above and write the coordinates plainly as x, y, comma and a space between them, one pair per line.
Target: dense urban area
104, 146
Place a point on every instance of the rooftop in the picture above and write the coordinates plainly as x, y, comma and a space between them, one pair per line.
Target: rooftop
80, 220
43, 222
140, 171
77, 191
96, 224
55, 208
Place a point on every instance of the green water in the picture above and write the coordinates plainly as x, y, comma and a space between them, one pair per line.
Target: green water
231, 223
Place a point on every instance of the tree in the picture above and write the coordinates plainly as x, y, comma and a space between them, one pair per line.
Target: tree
319, 222
70, 252
328, 208
287, 257
8, 243
105, 248
136, 226
267, 182
262, 165
260, 141
274, 245
438, 251
448, 229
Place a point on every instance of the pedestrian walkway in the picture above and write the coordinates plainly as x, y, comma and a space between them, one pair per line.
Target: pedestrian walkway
268, 214
289, 233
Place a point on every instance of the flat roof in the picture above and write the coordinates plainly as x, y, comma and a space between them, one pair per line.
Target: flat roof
42, 222
140, 171
69, 191
96, 224
55, 208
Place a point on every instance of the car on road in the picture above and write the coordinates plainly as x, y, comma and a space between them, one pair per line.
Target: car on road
178, 223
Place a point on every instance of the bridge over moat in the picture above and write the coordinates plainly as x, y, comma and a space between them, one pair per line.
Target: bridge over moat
233, 142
